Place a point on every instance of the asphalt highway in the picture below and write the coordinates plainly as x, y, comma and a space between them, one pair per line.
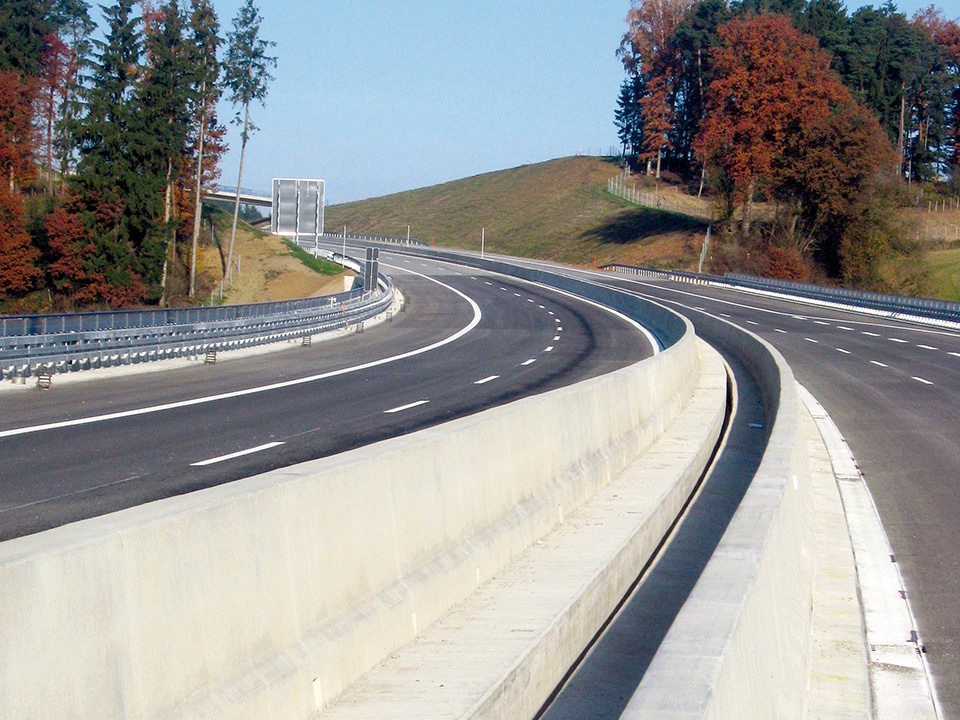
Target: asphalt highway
893, 389
468, 341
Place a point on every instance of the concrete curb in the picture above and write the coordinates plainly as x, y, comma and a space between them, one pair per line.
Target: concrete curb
900, 683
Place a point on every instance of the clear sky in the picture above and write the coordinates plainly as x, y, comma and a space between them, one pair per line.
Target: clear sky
378, 96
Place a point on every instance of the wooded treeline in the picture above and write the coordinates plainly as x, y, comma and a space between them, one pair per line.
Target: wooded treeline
828, 116
106, 141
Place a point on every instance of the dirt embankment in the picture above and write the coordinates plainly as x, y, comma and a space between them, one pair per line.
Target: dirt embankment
268, 270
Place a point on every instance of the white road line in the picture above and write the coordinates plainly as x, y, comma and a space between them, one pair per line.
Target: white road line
550, 312
927, 347
560, 328
487, 282
751, 322
529, 300
455, 272
821, 322
231, 456
418, 403
549, 348
879, 364
798, 317
784, 332
517, 294
897, 340
556, 319
921, 380
811, 340
954, 354
841, 350
556, 337
871, 334
504, 289
723, 315
477, 315
542, 307
843, 327
486, 380
529, 362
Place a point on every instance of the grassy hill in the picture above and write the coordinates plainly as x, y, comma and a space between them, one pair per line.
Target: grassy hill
556, 210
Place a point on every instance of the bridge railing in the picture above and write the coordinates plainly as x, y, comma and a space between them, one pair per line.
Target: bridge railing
62, 342
939, 311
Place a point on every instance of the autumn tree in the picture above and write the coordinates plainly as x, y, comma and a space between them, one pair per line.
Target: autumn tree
207, 133
18, 257
770, 79
246, 74
647, 48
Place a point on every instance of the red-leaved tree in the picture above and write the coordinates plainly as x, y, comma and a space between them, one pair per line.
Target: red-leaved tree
18, 270
769, 80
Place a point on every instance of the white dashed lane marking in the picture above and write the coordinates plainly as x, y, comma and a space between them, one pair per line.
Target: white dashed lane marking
486, 380
871, 334
241, 453
927, 347
921, 380
879, 364
843, 327
549, 348
405, 407
811, 340
784, 332
529, 362
841, 350
897, 340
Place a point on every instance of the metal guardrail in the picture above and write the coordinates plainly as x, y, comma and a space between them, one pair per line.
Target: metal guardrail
901, 305
64, 342
333, 237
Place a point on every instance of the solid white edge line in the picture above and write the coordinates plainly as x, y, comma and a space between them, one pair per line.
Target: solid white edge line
240, 453
477, 315
418, 403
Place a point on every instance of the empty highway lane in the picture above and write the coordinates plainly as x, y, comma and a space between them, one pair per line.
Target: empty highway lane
467, 342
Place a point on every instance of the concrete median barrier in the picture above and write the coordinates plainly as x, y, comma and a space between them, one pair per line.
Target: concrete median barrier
740, 646
268, 596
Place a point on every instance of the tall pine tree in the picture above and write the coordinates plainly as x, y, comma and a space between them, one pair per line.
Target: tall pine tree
246, 74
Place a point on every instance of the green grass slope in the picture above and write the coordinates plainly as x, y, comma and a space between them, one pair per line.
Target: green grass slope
556, 210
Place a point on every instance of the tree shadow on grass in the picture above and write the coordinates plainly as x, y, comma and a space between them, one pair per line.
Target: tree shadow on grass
633, 225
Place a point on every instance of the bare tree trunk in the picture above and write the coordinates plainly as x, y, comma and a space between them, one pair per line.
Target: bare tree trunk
659, 155
236, 202
745, 220
197, 207
900, 138
50, 143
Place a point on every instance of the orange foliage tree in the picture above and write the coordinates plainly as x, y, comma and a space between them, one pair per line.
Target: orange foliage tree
647, 48
18, 258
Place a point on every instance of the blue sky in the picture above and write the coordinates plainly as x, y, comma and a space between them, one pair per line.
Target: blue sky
377, 97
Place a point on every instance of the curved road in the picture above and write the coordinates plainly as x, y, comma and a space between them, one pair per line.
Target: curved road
893, 389
468, 342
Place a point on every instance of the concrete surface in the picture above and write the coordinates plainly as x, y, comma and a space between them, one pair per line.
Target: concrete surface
739, 648
899, 683
500, 652
266, 597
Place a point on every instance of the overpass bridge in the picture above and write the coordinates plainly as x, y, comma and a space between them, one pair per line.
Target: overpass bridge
260, 198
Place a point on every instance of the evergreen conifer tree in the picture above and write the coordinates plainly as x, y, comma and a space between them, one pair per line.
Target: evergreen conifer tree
246, 74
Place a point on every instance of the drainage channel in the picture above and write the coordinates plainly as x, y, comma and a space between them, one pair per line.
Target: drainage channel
600, 684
